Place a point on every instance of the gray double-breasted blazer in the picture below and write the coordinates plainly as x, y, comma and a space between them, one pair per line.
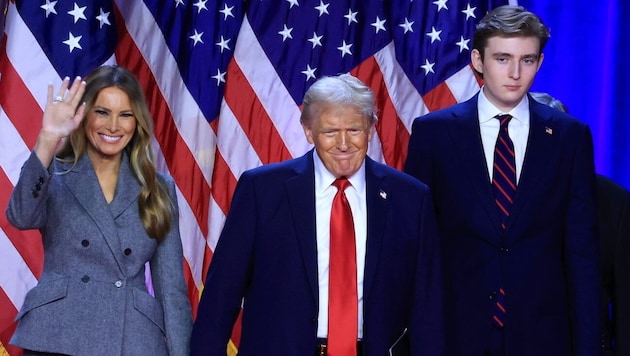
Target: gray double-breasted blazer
92, 298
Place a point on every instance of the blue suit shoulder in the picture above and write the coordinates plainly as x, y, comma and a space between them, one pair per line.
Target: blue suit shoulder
401, 180
279, 169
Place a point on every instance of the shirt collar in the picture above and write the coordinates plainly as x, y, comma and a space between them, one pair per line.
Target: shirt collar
324, 179
487, 110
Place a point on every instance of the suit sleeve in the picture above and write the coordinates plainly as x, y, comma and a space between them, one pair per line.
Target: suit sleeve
228, 275
27, 205
170, 287
427, 324
418, 163
582, 249
621, 294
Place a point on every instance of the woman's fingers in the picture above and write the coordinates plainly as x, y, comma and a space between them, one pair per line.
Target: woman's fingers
75, 92
70, 94
62, 90
49, 97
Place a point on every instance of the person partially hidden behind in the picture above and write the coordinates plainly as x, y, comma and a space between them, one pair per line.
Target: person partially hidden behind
103, 212
513, 184
613, 221
318, 270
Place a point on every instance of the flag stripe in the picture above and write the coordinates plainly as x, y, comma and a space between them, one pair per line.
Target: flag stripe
7, 326
17, 102
272, 93
17, 276
392, 133
253, 119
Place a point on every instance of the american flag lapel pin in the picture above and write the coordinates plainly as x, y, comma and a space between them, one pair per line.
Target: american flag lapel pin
548, 130
383, 194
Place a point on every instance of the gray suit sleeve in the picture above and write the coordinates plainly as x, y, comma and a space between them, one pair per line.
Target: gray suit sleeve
170, 287
27, 206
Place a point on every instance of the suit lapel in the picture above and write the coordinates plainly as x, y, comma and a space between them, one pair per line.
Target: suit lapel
127, 189
377, 190
82, 182
300, 191
466, 136
539, 145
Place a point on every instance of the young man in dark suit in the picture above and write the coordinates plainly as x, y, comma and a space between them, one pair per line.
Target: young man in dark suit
513, 184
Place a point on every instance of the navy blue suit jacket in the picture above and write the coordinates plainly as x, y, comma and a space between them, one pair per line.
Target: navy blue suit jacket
266, 257
547, 258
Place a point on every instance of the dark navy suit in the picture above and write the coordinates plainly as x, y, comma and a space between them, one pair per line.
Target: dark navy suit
613, 211
546, 259
267, 255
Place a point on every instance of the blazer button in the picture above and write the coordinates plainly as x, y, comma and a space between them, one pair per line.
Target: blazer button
85, 279
492, 295
127, 251
35, 194
118, 284
41, 180
85, 243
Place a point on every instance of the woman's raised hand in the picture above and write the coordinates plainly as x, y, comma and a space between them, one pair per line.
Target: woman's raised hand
61, 115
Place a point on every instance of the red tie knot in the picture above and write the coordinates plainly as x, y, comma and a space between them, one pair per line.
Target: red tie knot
341, 183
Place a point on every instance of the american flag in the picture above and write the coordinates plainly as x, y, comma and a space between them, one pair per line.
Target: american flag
224, 80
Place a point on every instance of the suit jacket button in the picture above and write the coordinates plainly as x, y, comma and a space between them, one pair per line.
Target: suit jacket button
41, 180
127, 251
492, 295
85, 279
118, 284
85, 243
35, 194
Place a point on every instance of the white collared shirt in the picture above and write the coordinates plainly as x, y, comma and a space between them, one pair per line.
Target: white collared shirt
324, 194
518, 130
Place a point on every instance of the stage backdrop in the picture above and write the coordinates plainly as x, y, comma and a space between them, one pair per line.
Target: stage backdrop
224, 80
587, 68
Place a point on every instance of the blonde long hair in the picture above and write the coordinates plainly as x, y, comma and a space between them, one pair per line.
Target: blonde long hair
154, 203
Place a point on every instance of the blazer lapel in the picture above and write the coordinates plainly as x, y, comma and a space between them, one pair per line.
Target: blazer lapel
301, 196
466, 136
127, 189
539, 145
82, 182
377, 191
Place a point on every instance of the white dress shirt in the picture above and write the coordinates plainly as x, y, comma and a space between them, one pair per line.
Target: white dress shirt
518, 129
324, 194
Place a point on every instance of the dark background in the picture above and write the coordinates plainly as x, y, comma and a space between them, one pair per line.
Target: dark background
586, 66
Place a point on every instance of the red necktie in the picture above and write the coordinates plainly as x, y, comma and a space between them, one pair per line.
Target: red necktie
504, 187
342, 288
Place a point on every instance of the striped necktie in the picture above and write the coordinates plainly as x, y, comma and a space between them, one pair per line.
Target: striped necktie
504, 171
504, 188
